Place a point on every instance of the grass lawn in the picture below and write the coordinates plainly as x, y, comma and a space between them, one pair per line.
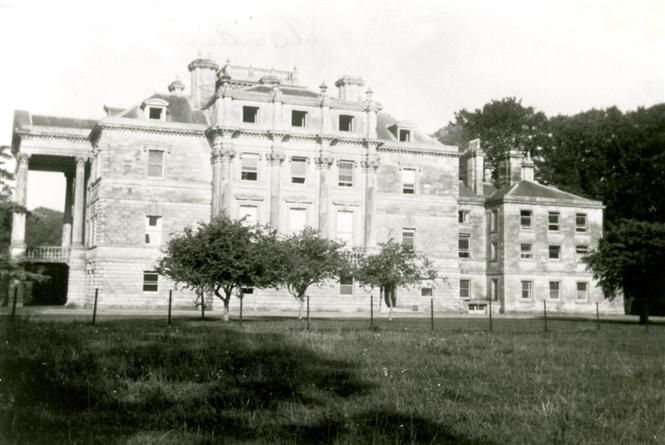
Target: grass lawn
271, 382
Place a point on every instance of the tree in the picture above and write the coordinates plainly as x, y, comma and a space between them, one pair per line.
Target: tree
501, 125
306, 260
392, 267
220, 257
631, 259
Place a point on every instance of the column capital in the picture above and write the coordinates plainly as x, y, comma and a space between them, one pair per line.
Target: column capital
22, 159
370, 163
324, 161
275, 157
80, 161
222, 152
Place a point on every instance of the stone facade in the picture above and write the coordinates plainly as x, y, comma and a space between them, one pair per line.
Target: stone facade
253, 143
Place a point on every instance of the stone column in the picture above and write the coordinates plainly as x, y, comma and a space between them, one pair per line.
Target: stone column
323, 163
275, 159
21, 196
79, 203
369, 166
67, 220
227, 154
216, 161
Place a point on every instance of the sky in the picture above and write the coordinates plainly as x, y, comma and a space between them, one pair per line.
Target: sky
424, 60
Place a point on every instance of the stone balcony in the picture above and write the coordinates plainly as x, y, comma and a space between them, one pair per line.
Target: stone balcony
47, 254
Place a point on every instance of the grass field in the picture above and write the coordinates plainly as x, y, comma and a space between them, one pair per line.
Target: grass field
272, 382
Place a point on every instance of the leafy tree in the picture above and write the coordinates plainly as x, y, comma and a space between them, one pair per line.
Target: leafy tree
631, 259
43, 227
307, 259
392, 267
501, 125
220, 257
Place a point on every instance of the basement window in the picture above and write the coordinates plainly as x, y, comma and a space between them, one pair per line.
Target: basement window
345, 122
250, 115
298, 118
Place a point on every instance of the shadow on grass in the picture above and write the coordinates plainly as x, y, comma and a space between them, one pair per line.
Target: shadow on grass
106, 384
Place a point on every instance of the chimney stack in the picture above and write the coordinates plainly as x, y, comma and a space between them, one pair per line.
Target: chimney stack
528, 168
204, 77
473, 167
350, 88
176, 87
509, 169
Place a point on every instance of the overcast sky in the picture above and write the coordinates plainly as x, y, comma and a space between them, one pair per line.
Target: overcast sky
423, 59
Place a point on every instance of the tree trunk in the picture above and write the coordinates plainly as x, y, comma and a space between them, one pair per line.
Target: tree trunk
644, 313
301, 303
225, 315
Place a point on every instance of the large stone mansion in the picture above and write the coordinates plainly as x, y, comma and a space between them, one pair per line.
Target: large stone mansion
249, 142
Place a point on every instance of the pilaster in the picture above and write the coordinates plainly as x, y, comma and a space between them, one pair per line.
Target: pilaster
369, 166
275, 159
323, 164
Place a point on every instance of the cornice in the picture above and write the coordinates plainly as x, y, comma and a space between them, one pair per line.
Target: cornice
587, 204
427, 151
33, 133
146, 126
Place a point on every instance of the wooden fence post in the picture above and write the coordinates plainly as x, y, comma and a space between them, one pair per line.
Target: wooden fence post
308, 312
203, 305
170, 300
14, 302
94, 308
431, 311
545, 313
242, 298
597, 318
490, 310
371, 310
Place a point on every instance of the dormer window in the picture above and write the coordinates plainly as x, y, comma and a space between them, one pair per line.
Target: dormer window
155, 109
155, 113
298, 118
402, 131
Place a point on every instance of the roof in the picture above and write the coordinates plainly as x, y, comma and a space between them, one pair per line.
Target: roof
24, 118
179, 110
385, 120
288, 91
533, 190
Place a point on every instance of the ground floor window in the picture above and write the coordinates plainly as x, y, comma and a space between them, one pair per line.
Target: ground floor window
554, 290
582, 291
464, 288
346, 286
150, 281
527, 286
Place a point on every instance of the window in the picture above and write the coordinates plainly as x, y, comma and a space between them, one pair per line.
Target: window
345, 122
405, 135
409, 239
298, 118
494, 216
155, 113
297, 220
554, 252
465, 289
345, 226
155, 163
249, 167
346, 285
580, 222
494, 289
464, 242
526, 290
526, 251
153, 230
463, 216
250, 214
150, 281
581, 249
582, 291
250, 114
477, 308
408, 181
298, 170
554, 290
494, 251
345, 174
525, 219
553, 221
426, 292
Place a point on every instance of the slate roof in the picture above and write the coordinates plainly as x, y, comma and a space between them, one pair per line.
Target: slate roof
532, 190
24, 118
179, 110
385, 120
